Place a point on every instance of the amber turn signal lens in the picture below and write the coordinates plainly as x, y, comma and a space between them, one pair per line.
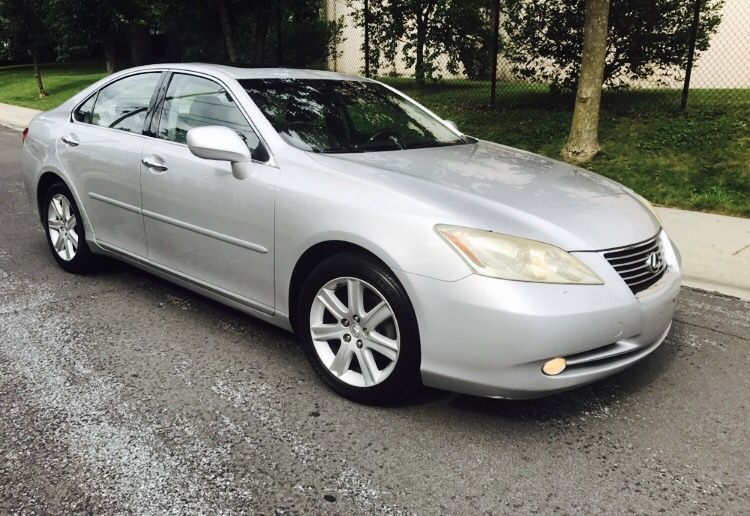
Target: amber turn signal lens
554, 367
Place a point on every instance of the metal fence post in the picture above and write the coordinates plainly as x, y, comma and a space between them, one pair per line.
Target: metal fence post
691, 53
365, 20
495, 43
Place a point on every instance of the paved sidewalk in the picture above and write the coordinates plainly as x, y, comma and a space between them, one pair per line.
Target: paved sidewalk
16, 117
715, 248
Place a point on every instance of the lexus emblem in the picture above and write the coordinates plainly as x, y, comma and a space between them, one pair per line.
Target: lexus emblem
653, 262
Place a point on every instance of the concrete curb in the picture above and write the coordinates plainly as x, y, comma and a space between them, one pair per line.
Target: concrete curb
715, 248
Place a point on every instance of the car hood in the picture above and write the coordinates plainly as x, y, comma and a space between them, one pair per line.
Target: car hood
510, 191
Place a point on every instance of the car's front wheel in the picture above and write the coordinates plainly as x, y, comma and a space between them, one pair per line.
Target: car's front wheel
359, 330
64, 228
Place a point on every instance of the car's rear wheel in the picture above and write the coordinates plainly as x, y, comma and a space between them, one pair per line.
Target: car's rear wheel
359, 330
64, 228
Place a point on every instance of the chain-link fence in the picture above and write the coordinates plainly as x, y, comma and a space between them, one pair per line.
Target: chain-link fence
674, 52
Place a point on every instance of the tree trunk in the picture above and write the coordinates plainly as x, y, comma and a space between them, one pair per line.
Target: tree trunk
583, 142
108, 45
423, 19
419, 50
261, 33
226, 29
38, 74
140, 45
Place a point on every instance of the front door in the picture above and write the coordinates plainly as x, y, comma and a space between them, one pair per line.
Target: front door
101, 148
200, 220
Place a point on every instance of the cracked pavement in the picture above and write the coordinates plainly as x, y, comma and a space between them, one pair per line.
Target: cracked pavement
121, 393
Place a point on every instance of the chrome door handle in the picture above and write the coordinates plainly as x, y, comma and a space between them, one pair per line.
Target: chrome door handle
153, 164
70, 140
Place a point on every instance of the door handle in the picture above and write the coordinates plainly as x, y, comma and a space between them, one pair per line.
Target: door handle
71, 140
153, 164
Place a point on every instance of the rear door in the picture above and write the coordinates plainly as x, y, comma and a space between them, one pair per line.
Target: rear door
200, 220
101, 148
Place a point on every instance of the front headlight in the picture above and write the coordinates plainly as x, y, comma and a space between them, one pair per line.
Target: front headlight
514, 258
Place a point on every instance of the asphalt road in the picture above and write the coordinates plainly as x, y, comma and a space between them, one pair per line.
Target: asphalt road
122, 393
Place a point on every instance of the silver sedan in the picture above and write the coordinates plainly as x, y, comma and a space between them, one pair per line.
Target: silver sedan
401, 251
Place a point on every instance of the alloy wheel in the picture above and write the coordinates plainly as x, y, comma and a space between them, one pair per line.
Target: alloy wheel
61, 226
355, 332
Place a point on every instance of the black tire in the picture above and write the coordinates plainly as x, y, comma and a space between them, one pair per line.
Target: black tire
404, 378
84, 260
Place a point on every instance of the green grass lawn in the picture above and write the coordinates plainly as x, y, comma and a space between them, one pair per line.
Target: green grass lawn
17, 84
697, 160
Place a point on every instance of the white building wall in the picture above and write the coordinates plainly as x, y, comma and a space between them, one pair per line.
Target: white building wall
726, 64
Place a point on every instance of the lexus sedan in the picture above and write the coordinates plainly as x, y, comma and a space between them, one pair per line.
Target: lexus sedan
401, 251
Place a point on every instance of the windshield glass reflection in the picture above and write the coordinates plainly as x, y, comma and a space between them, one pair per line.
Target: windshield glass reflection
333, 116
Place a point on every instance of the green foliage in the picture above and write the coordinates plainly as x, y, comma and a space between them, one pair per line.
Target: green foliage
182, 30
421, 31
22, 29
465, 34
646, 38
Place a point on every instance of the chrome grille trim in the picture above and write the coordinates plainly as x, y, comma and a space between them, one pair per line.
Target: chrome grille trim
630, 262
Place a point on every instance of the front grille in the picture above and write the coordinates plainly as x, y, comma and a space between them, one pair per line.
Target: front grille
636, 265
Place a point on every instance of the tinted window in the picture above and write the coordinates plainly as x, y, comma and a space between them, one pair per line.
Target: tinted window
346, 116
85, 111
195, 102
122, 105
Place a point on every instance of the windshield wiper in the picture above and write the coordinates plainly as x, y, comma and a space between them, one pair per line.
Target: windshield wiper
339, 151
425, 145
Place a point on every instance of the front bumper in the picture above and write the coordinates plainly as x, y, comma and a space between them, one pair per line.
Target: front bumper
490, 337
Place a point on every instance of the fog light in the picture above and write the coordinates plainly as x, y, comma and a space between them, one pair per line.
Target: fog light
554, 367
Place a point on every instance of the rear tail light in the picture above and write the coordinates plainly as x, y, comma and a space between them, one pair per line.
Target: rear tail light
24, 134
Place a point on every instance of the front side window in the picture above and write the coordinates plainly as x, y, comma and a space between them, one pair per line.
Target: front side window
193, 101
123, 104
322, 115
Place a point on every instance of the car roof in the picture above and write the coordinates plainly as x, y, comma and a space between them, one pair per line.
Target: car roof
258, 73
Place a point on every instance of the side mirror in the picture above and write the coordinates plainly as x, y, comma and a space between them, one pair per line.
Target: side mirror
221, 143
452, 125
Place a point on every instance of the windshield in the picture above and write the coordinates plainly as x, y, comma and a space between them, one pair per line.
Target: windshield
321, 115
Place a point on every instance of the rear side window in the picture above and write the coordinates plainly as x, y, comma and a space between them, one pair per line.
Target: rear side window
121, 105
85, 111
193, 101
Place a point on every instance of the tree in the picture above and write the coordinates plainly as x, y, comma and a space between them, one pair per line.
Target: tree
408, 23
463, 31
544, 39
423, 30
83, 22
23, 32
583, 141
226, 28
